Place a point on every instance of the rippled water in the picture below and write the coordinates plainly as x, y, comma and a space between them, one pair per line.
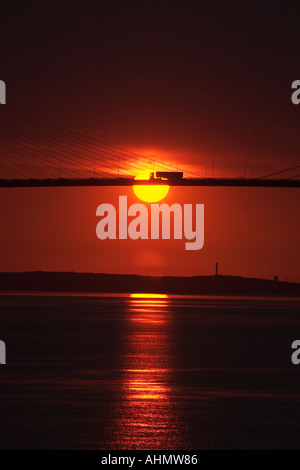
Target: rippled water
99, 372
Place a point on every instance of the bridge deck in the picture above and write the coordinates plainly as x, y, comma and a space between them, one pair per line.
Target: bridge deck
238, 182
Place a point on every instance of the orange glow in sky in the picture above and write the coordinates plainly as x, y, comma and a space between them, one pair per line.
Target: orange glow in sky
253, 232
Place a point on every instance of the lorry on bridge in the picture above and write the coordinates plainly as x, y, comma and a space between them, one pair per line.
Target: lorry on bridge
172, 176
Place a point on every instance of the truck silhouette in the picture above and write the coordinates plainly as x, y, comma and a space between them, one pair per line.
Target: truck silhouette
171, 176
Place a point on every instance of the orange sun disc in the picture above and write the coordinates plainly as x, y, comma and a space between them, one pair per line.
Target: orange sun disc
149, 193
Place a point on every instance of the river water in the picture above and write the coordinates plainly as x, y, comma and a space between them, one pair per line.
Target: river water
160, 372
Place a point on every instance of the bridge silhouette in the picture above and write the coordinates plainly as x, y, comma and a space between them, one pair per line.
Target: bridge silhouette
36, 154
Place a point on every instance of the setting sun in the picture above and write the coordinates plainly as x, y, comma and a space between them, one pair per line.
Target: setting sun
149, 193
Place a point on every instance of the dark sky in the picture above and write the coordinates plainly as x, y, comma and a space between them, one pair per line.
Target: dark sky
190, 78
193, 80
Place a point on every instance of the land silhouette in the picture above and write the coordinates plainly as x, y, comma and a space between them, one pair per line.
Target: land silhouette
40, 281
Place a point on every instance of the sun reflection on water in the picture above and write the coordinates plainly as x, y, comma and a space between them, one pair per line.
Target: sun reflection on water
147, 419
148, 296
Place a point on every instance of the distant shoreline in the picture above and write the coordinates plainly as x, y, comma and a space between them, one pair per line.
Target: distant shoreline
216, 285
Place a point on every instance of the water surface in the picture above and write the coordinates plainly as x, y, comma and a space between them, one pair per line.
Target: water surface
168, 373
